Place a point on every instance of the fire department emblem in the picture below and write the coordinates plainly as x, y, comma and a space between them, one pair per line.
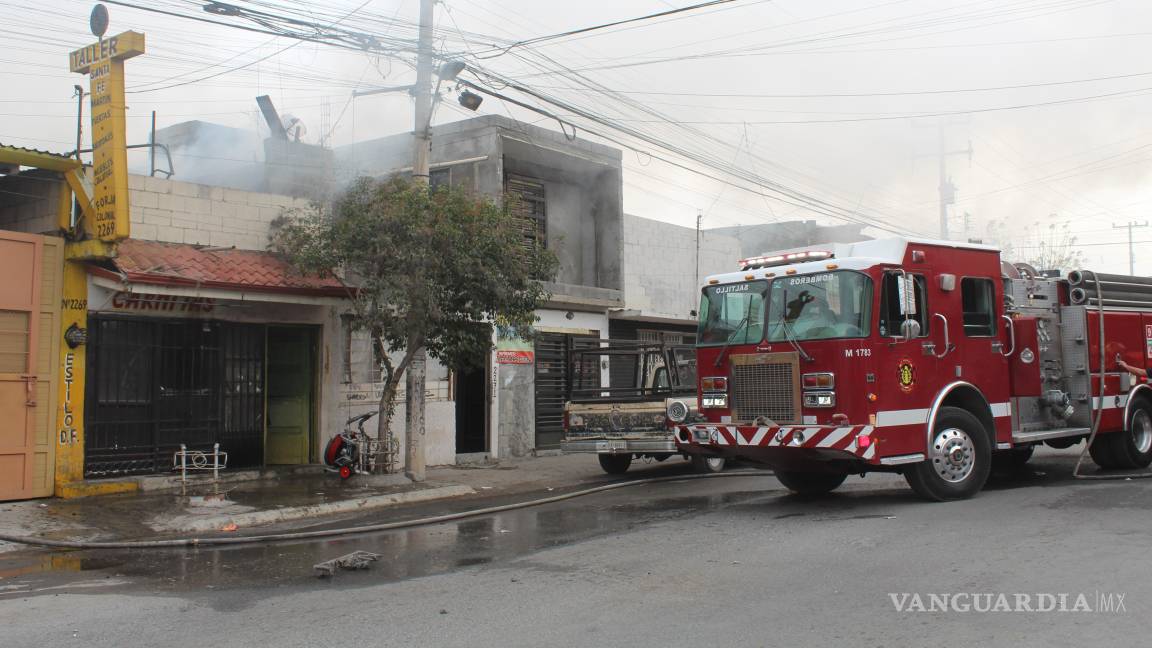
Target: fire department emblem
907, 375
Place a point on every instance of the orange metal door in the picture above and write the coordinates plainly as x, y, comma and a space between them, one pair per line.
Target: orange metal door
21, 455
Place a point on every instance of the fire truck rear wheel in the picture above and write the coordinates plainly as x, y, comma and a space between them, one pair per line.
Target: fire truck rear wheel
615, 464
702, 464
959, 458
1138, 439
810, 483
1131, 448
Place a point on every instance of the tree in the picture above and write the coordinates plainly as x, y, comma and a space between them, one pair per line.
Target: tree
1056, 251
428, 268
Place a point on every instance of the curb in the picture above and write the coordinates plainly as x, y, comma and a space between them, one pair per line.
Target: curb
255, 518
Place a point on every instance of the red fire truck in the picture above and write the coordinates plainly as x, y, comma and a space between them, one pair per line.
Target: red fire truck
926, 358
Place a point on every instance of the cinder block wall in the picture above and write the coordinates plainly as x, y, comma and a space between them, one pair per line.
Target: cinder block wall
182, 212
660, 261
28, 203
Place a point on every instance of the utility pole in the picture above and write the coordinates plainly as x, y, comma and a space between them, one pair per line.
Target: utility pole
699, 220
947, 189
421, 153
1131, 254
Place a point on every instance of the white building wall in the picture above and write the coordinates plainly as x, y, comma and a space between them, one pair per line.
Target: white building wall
360, 389
660, 266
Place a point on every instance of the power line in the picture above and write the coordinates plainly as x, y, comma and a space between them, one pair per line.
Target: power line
781, 192
584, 30
829, 35
893, 93
251, 63
921, 115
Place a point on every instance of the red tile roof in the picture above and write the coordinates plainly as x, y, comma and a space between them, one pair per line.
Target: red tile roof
175, 264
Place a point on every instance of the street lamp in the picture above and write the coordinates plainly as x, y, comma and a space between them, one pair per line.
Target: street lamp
470, 100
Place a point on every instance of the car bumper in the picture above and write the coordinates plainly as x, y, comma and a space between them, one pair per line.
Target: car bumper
620, 446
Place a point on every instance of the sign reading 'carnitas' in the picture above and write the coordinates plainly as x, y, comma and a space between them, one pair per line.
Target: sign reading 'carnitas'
103, 62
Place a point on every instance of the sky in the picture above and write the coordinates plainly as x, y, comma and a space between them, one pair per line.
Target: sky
1042, 106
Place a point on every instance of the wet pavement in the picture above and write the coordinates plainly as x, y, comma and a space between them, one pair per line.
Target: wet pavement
440, 548
409, 553
726, 561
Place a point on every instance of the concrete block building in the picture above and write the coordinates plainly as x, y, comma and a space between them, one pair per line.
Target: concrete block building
198, 335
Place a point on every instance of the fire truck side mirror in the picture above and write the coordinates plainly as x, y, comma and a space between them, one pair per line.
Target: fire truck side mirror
909, 330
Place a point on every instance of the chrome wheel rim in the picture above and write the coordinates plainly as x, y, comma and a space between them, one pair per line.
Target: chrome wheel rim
953, 455
715, 464
1142, 431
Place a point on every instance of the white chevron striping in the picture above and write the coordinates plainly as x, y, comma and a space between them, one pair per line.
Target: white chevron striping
835, 437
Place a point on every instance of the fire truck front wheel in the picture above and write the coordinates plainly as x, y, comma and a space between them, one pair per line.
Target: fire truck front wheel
810, 483
702, 464
959, 458
615, 464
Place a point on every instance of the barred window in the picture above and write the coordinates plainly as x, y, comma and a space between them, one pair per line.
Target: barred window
529, 208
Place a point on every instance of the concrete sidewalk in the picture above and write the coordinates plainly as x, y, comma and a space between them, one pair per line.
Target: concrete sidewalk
295, 498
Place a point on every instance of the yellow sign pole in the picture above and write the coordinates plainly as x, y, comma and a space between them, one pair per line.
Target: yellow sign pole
105, 220
103, 62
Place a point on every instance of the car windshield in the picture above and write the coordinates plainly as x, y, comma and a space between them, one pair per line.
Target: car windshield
732, 313
820, 306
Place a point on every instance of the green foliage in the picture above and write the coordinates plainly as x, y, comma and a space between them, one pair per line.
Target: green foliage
432, 268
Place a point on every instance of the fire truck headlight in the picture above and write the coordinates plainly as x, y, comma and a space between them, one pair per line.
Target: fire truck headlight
714, 401
820, 399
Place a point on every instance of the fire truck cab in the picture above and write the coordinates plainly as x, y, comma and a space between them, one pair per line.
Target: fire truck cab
926, 358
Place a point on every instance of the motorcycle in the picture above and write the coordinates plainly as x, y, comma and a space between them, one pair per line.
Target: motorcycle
354, 451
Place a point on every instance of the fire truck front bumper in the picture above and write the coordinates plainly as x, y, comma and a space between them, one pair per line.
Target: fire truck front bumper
786, 447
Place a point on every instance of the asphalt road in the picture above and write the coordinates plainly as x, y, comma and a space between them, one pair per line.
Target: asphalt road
724, 562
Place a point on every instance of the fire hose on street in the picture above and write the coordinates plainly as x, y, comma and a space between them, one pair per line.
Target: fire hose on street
368, 528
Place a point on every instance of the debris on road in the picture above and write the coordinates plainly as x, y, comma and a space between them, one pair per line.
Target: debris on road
354, 560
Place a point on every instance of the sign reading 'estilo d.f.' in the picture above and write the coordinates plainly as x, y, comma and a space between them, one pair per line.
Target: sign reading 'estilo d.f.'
103, 62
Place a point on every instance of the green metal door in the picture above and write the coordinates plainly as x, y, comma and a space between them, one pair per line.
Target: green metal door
291, 401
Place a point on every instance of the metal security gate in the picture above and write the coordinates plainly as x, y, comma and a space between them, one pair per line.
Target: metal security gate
554, 382
155, 384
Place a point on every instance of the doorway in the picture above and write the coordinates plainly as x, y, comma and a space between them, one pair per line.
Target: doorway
471, 410
29, 331
291, 360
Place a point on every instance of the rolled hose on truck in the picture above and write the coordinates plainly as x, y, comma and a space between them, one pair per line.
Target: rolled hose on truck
369, 528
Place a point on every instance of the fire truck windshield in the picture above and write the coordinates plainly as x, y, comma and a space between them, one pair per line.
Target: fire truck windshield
820, 306
732, 313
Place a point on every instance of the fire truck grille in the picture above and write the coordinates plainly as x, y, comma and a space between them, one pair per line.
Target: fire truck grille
765, 390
